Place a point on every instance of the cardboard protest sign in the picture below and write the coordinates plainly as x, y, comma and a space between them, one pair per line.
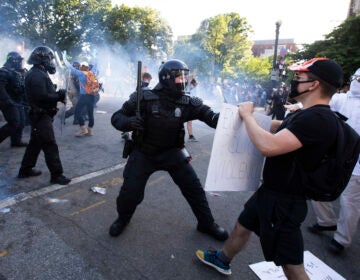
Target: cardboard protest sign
235, 164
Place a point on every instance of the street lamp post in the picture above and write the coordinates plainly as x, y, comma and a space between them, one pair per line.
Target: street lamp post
274, 72
277, 24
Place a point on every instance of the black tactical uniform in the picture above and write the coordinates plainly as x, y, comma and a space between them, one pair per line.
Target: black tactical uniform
164, 110
12, 99
43, 98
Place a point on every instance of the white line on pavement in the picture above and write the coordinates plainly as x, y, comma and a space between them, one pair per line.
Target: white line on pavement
24, 196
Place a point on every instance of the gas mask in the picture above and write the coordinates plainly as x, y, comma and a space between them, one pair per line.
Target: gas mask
50, 67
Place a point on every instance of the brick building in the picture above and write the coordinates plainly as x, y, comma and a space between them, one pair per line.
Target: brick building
265, 48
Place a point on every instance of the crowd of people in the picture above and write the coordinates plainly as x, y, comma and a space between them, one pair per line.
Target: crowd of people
156, 119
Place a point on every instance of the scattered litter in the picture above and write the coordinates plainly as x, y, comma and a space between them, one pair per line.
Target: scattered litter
98, 190
101, 112
56, 200
172, 256
4, 210
216, 194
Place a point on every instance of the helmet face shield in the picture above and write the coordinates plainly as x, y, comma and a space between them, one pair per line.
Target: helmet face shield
18, 63
15, 60
174, 76
181, 79
51, 67
44, 56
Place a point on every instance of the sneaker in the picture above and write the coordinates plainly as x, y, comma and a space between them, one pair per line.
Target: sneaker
316, 228
61, 180
211, 258
214, 230
335, 247
192, 139
30, 173
117, 228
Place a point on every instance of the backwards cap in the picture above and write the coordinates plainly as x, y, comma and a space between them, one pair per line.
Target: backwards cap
326, 69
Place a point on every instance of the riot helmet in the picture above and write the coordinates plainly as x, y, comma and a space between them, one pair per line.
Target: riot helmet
169, 71
44, 56
14, 60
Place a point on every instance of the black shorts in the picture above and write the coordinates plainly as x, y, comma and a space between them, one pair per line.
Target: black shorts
276, 219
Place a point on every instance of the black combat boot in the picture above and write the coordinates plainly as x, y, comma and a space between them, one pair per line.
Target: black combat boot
60, 179
117, 227
28, 173
214, 230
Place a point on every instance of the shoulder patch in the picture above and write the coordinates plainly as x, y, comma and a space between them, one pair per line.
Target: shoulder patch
196, 101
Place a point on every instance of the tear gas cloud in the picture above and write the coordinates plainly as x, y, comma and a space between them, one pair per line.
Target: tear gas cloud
116, 65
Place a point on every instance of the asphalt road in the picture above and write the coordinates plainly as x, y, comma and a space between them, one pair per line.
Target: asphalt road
61, 232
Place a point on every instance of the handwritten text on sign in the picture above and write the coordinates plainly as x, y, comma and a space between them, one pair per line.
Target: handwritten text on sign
235, 164
314, 267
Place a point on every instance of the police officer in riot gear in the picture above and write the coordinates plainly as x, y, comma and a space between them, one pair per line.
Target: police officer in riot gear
12, 99
158, 140
43, 98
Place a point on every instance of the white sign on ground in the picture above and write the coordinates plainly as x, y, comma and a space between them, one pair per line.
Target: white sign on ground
315, 269
235, 164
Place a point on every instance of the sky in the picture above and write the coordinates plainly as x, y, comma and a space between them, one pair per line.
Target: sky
305, 21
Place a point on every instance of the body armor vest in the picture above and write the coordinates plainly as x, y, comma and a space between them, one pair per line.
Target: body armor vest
164, 125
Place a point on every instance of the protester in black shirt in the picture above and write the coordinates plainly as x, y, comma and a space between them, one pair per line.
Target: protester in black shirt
277, 209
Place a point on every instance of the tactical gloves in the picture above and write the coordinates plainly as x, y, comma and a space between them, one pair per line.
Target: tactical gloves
62, 95
136, 123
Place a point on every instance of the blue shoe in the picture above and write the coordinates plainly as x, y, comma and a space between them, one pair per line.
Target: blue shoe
211, 258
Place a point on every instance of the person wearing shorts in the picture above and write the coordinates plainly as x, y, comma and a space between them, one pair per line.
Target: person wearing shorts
277, 209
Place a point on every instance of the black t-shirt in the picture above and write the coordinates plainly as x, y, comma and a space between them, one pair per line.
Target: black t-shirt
316, 130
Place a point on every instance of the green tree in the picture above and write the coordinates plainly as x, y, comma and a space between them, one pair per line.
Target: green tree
225, 38
342, 45
63, 24
255, 70
142, 28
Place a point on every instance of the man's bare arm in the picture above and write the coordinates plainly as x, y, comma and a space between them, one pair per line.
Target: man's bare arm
267, 143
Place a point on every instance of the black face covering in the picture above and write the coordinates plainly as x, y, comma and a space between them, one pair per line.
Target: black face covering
180, 87
50, 66
293, 88
17, 63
